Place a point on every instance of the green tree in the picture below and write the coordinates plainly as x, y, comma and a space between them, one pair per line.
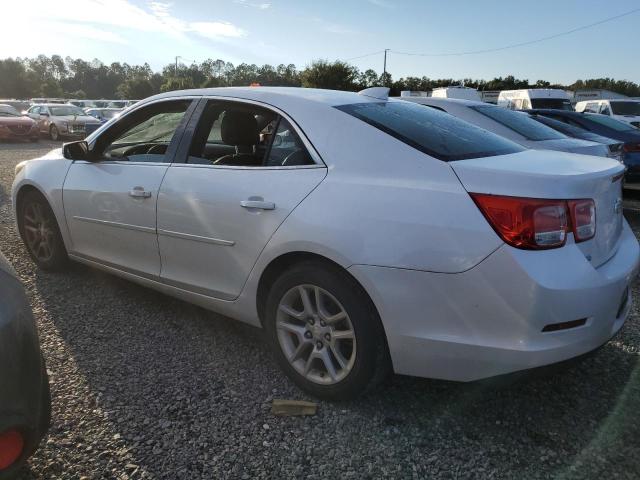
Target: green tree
336, 75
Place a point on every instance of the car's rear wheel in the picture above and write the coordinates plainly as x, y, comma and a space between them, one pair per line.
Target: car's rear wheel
325, 333
40, 233
53, 133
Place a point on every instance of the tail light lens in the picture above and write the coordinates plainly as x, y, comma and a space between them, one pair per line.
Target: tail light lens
537, 224
631, 147
583, 219
11, 446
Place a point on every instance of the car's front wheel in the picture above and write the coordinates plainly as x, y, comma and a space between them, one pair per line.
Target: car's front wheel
40, 233
325, 332
53, 133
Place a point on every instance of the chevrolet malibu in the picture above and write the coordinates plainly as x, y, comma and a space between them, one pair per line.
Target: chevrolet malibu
364, 234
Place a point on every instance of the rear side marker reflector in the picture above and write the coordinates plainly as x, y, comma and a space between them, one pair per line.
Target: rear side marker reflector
554, 327
537, 224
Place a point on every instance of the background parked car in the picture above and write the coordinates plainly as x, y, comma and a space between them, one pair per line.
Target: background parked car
101, 114
19, 105
615, 146
25, 401
608, 127
534, 98
516, 126
627, 111
59, 121
15, 126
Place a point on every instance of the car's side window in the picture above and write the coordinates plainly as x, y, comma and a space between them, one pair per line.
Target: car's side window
34, 111
604, 109
287, 150
143, 135
245, 135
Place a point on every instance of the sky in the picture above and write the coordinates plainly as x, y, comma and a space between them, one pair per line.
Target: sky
299, 31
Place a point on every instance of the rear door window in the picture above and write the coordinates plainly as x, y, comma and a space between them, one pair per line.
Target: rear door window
245, 135
431, 131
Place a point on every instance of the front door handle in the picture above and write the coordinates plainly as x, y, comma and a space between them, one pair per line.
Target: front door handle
139, 192
261, 204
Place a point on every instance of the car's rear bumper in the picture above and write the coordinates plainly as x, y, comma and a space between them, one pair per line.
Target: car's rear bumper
489, 320
24, 393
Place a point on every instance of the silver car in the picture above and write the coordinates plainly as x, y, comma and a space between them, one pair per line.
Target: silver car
61, 120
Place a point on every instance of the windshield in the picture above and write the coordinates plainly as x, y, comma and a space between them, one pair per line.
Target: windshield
8, 111
110, 113
553, 103
64, 111
612, 123
625, 108
520, 123
431, 131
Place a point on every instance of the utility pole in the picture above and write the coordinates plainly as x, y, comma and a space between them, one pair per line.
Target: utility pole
175, 71
384, 74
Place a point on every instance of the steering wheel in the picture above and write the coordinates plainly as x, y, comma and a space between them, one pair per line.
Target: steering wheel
159, 148
294, 158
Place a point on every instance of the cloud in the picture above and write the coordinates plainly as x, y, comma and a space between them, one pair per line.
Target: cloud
90, 17
216, 30
247, 3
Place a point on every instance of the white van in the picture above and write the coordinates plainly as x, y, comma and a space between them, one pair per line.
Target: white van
535, 98
461, 93
627, 110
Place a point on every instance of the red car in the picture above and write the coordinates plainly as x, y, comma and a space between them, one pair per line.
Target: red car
14, 126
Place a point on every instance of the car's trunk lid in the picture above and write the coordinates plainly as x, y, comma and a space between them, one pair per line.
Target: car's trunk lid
574, 145
555, 175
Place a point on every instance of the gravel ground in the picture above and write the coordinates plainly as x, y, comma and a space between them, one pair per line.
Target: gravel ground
145, 386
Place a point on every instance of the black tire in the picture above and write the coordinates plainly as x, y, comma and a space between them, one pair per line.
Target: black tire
53, 133
372, 364
57, 259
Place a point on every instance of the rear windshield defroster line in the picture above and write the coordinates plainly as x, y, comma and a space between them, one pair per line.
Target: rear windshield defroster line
431, 131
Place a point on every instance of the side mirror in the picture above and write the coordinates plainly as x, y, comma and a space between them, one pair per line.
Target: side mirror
78, 150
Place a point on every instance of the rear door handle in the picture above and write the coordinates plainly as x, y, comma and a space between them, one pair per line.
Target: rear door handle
261, 204
139, 192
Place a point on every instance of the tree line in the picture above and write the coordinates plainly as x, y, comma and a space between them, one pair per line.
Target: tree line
55, 76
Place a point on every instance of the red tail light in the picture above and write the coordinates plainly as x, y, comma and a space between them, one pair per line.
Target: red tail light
11, 445
631, 147
583, 219
537, 224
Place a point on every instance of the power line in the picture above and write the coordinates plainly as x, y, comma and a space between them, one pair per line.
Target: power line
507, 47
363, 56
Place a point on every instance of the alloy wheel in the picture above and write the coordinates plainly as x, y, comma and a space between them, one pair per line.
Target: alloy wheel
315, 334
38, 231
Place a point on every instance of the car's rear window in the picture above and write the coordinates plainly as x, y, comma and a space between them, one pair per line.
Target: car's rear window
431, 131
520, 123
610, 122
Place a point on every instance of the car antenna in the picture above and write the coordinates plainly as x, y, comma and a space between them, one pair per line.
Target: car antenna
381, 93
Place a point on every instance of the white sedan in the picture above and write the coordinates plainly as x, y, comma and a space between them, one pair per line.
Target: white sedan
364, 234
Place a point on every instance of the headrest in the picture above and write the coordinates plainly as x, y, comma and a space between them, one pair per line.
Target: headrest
239, 128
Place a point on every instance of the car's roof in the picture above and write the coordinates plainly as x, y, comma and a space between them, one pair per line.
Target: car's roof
327, 97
